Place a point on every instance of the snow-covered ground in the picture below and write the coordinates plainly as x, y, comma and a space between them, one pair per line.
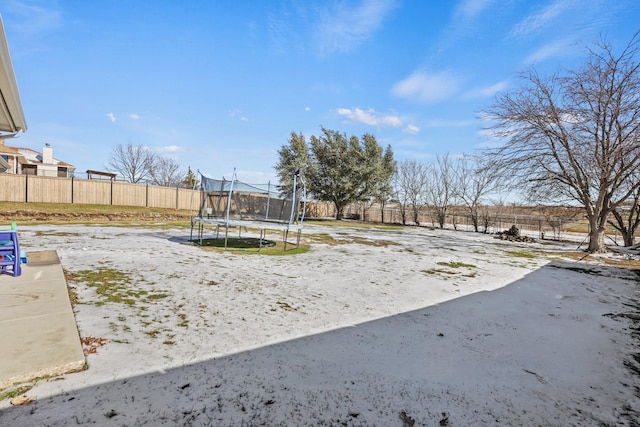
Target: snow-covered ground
377, 327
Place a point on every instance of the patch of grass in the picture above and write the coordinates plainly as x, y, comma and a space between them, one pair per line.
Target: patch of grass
286, 306
153, 333
40, 233
185, 322
455, 264
70, 213
438, 270
324, 238
10, 394
157, 296
522, 254
109, 283
370, 242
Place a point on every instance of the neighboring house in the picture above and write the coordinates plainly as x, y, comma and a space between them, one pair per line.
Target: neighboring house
19, 160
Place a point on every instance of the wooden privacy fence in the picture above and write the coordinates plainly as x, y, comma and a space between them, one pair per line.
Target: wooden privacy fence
42, 189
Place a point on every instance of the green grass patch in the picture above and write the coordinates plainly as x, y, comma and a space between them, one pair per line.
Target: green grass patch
455, 264
153, 333
109, 283
522, 254
10, 394
57, 233
437, 271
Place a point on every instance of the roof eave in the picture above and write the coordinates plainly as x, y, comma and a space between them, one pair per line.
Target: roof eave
11, 113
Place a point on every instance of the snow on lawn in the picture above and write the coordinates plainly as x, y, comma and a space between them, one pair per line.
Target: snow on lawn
385, 327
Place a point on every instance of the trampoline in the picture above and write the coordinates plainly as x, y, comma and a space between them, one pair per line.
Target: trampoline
232, 204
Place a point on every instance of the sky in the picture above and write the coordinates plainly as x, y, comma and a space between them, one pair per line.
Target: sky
221, 85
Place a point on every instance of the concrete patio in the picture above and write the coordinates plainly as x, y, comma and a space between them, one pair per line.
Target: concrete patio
38, 330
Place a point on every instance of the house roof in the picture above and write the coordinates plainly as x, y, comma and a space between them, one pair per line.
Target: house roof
35, 157
30, 156
11, 115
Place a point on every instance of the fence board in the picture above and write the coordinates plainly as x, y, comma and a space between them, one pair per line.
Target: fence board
128, 194
48, 189
12, 188
90, 192
189, 199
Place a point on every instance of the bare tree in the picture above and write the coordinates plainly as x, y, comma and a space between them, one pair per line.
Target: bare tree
131, 162
410, 181
576, 136
476, 178
165, 171
442, 187
627, 219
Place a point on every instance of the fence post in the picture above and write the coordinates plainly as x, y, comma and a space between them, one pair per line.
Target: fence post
71, 189
146, 197
26, 188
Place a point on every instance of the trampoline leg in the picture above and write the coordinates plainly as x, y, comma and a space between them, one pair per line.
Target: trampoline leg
263, 235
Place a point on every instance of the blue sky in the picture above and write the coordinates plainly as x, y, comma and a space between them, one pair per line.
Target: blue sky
219, 85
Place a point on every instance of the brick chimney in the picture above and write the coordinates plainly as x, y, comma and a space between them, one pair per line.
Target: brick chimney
47, 155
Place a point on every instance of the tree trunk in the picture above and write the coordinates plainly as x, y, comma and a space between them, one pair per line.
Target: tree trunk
475, 222
627, 228
596, 237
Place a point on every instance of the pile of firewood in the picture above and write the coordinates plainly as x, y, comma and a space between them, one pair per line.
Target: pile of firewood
513, 235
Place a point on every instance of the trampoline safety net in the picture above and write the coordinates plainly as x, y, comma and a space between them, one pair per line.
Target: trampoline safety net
233, 203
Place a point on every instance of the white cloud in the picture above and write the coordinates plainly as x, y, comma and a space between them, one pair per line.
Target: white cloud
307, 108
33, 19
487, 91
134, 116
237, 112
370, 117
535, 23
557, 48
426, 88
469, 9
412, 129
344, 27
463, 23
170, 149
112, 117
